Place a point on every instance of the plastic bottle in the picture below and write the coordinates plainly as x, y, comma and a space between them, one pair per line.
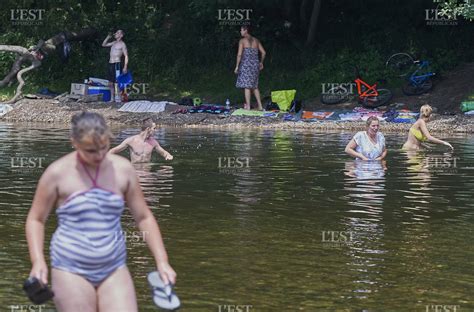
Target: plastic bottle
227, 104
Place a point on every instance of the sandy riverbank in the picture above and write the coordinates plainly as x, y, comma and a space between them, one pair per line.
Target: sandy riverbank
53, 111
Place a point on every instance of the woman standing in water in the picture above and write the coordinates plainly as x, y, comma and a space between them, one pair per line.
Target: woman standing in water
419, 133
90, 187
368, 144
248, 65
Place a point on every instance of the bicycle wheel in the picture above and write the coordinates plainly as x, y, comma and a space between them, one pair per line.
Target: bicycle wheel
334, 95
400, 64
411, 89
385, 95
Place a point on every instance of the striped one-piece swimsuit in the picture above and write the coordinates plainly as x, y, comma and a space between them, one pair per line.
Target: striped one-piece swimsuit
89, 240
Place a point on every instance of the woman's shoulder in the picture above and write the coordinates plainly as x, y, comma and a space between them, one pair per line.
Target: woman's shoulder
358, 137
419, 122
60, 166
120, 163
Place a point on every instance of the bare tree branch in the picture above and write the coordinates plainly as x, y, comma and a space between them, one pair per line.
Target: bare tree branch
21, 81
36, 54
313, 23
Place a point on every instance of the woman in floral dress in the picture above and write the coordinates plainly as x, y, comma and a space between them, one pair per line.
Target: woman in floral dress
248, 66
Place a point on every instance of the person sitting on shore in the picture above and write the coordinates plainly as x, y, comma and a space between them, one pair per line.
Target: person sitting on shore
419, 133
369, 144
141, 146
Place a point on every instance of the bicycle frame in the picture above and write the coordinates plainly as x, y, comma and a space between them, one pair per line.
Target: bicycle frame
369, 92
417, 80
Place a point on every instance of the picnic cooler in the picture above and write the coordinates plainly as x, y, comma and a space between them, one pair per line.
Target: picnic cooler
105, 91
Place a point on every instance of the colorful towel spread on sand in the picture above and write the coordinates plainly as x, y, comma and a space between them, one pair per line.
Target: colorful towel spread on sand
406, 117
316, 115
350, 116
210, 109
366, 116
144, 107
254, 113
357, 114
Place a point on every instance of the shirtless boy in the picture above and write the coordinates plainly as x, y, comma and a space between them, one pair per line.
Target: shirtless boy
142, 145
117, 50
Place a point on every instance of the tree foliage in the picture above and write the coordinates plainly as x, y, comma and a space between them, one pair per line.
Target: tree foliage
182, 46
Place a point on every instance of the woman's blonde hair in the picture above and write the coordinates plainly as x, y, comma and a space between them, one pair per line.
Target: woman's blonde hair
88, 127
425, 111
370, 119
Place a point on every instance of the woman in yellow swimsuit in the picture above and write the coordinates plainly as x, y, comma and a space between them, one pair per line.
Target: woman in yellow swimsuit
419, 133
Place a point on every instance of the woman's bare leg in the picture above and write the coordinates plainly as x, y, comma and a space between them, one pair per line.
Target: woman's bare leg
117, 293
247, 98
72, 293
257, 96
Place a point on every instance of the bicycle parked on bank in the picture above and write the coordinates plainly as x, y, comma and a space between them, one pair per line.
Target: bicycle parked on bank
417, 73
369, 96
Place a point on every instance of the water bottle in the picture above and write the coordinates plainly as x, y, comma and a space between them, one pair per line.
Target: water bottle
227, 104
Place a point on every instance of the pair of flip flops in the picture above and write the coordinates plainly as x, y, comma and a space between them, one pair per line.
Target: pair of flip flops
163, 295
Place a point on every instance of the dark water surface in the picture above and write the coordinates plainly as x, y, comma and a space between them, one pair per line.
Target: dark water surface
276, 220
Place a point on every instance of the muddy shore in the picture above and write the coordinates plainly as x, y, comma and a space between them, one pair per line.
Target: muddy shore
53, 111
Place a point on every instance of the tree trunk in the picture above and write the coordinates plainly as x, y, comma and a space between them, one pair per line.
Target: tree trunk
303, 14
313, 23
36, 54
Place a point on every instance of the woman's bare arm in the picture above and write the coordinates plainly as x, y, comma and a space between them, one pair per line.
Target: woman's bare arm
431, 138
350, 149
239, 56
263, 53
147, 223
43, 201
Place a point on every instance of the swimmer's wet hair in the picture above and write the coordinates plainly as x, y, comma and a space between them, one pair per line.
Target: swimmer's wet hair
147, 123
89, 126
246, 27
426, 110
370, 119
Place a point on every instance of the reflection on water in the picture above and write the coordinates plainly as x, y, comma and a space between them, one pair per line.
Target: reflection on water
279, 220
156, 181
365, 184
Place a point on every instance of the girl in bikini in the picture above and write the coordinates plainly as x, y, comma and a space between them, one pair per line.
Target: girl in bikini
419, 133
90, 187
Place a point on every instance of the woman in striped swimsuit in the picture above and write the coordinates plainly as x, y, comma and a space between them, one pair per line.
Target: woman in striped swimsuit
88, 256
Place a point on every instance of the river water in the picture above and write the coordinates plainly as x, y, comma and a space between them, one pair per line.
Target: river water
272, 220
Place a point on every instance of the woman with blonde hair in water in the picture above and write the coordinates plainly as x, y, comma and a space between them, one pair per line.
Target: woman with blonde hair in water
89, 188
419, 133
368, 144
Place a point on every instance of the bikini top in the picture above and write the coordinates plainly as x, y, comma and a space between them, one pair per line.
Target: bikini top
418, 134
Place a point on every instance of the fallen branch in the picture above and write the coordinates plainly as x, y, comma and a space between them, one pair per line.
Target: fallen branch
21, 81
36, 54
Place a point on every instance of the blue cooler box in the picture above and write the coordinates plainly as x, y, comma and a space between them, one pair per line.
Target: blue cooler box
99, 89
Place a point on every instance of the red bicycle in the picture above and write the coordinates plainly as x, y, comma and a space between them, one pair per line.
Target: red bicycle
370, 96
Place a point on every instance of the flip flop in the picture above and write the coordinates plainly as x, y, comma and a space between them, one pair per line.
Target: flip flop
163, 295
